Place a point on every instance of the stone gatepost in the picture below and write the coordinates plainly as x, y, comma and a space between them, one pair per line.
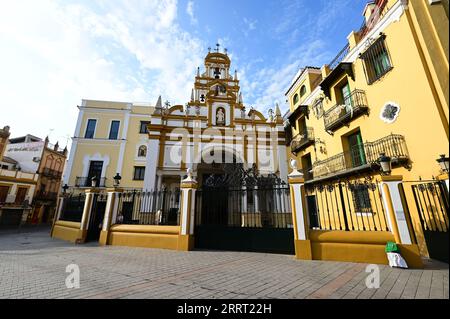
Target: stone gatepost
187, 213
112, 206
399, 220
296, 181
58, 210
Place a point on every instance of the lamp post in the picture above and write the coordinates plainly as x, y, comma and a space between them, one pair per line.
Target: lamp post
94, 181
117, 179
444, 163
65, 188
385, 163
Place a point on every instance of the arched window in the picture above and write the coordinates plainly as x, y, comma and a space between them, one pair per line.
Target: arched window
49, 161
58, 165
295, 99
142, 152
302, 91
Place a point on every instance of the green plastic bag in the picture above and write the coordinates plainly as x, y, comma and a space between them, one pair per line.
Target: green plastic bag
391, 247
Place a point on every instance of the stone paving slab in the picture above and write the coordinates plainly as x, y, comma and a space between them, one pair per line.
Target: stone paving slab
33, 265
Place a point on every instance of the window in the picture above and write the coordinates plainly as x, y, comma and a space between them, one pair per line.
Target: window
139, 173
90, 129
361, 199
356, 148
114, 130
296, 99
376, 60
95, 169
142, 151
20, 196
303, 91
143, 128
3, 193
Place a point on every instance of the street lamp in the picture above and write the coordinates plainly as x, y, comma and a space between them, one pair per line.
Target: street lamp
65, 188
444, 163
94, 181
385, 163
117, 179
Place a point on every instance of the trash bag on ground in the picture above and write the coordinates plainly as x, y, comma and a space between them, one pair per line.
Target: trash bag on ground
393, 254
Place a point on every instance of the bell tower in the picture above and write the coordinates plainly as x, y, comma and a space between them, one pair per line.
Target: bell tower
216, 90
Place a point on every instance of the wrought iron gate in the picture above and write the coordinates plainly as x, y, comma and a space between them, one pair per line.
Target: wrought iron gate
432, 202
96, 217
241, 211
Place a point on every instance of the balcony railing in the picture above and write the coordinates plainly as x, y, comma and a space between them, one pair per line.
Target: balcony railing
51, 173
46, 195
354, 105
340, 57
302, 140
87, 182
363, 155
308, 173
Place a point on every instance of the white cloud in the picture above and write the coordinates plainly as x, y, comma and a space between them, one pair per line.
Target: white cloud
190, 12
267, 86
250, 25
55, 54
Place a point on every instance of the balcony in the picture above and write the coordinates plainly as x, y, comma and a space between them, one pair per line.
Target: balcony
51, 173
339, 115
362, 157
87, 182
46, 196
302, 140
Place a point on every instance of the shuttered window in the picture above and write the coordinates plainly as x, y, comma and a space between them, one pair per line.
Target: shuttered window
376, 60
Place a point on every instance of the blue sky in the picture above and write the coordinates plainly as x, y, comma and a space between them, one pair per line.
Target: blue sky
57, 52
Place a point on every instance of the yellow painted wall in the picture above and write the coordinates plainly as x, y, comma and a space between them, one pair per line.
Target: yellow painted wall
162, 237
105, 112
69, 231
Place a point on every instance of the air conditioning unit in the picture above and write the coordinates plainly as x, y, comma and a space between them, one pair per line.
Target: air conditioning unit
36, 159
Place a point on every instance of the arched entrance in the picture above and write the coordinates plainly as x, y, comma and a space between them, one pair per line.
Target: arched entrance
239, 210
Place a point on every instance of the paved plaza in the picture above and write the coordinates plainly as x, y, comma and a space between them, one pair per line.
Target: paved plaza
32, 265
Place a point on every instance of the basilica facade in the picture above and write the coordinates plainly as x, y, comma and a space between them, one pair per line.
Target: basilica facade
152, 146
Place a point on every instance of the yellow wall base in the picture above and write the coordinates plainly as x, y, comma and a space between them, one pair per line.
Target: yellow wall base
185, 242
162, 237
68, 231
303, 249
103, 238
357, 253
411, 254
358, 247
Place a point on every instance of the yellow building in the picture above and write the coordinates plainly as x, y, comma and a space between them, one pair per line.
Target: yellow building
384, 97
110, 138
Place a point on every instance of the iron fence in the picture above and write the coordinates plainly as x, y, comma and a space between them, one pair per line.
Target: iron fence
433, 205
158, 207
346, 206
73, 206
251, 207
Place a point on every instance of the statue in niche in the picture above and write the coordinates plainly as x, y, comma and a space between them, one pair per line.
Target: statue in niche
220, 116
